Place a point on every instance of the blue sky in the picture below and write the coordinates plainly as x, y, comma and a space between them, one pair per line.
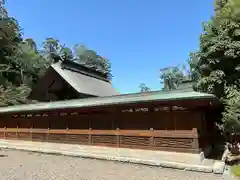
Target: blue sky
139, 37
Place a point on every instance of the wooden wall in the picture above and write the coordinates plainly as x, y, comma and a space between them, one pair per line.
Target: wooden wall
156, 129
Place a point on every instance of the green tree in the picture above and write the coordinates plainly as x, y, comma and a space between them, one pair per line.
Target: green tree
217, 63
90, 58
3, 11
144, 88
66, 54
32, 44
51, 47
13, 95
171, 77
30, 65
10, 37
194, 68
84, 55
20, 62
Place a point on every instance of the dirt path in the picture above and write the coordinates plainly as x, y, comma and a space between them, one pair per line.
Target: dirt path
19, 165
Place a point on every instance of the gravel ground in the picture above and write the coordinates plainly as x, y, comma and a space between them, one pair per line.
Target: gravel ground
19, 165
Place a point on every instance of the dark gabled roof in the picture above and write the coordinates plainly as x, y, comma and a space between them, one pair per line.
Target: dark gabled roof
85, 83
86, 69
112, 100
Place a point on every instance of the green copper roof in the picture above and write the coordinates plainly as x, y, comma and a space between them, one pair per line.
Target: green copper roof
112, 100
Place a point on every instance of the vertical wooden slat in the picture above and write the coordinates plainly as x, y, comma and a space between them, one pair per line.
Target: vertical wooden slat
195, 143
17, 132
67, 123
47, 134
203, 122
151, 114
172, 118
195, 140
90, 137
90, 129
5, 132
118, 138
151, 138
113, 122
31, 128
152, 119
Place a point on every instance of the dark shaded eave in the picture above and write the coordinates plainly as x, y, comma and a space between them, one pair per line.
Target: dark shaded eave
157, 96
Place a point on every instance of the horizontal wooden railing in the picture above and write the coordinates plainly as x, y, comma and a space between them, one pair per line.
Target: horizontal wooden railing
147, 133
181, 140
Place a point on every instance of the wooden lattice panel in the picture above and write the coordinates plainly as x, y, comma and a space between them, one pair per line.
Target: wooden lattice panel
39, 136
134, 141
1, 134
24, 136
56, 138
104, 139
11, 135
77, 138
173, 142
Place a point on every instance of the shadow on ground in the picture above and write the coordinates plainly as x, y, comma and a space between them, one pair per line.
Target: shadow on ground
217, 151
3, 155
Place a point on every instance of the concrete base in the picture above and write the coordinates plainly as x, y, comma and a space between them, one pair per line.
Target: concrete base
183, 161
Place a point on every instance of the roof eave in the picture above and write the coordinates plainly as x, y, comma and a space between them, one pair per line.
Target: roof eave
103, 101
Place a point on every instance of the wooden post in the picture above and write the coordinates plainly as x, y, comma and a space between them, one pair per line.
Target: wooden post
67, 128
5, 128
195, 143
172, 118
31, 129
113, 121
118, 138
89, 132
47, 134
116, 117
17, 133
152, 116
151, 138
152, 119
90, 136
49, 127
203, 123
195, 139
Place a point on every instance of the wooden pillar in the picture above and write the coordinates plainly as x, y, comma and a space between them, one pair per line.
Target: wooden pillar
151, 138
68, 119
47, 134
114, 126
118, 138
49, 127
172, 118
113, 120
116, 117
31, 128
5, 128
195, 139
17, 131
89, 131
152, 119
